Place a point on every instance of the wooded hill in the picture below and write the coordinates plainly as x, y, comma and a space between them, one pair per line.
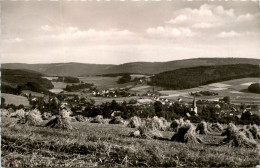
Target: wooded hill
186, 78
13, 81
82, 69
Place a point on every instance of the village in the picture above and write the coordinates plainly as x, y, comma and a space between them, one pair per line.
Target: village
147, 116
130, 83
84, 104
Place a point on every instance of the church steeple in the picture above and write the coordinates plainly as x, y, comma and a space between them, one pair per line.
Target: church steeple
194, 102
194, 106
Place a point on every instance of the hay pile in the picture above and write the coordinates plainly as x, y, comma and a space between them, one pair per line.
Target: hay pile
135, 134
33, 118
176, 124
11, 111
254, 129
60, 122
20, 113
88, 119
4, 113
247, 133
80, 118
135, 122
148, 128
145, 132
46, 116
187, 134
99, 119
216, 127
117, 120
65, 113
203, 128
237, 138
231, 127
73, 119
157, 123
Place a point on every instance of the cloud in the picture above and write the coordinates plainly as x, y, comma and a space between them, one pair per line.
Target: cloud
178, 19
76, 33
203, 25
206, 16
169, 32
14, 40
46, 28
228, 34
18, 40
244, 18
221, 11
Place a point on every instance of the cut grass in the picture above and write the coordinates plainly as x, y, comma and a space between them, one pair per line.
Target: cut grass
109, 145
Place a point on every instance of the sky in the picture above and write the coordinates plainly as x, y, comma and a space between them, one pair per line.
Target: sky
115, 32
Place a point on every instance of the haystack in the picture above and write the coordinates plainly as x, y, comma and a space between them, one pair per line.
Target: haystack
216, 127
73, 119
59, 122
117, 120
4, 113
158, 123
247, 133
237, 138
203, 128
145, 132
174, 125
80, 118
187, 134
33, 118
254, 129
65, 113
20, 113
11, 111
135, 134
46, 116
135, 122
99, 119
231, 127
87, 119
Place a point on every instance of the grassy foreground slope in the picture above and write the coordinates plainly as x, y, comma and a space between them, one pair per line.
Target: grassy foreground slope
193, 77
91, 144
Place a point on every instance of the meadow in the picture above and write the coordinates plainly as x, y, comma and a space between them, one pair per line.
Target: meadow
236, 89
93, 144
104, 82
15, 99
58, 87
32, 93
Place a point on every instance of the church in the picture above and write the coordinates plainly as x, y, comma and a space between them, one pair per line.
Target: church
194, 106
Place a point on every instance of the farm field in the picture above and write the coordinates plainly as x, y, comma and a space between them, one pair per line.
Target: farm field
141, 88
104, 82
236, 89
33, 93
133, 76
92, 144
100, 100
58, 87
15, 99
50, 77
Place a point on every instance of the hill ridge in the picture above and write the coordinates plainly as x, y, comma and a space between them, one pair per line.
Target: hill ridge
85, 69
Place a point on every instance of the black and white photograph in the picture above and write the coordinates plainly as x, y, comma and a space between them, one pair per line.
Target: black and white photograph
130, 83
